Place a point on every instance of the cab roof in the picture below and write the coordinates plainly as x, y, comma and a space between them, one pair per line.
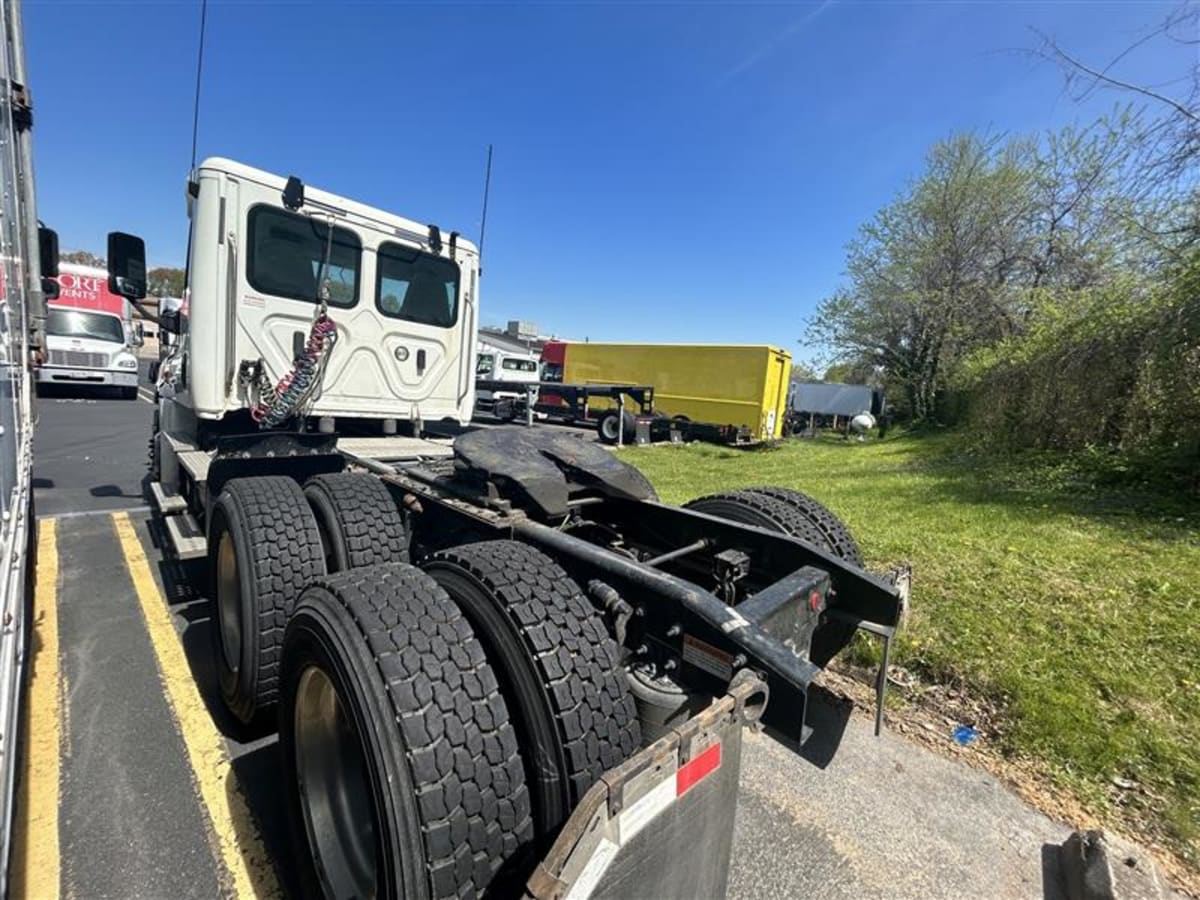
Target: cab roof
352, 207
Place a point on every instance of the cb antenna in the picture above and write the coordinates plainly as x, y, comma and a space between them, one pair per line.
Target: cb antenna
199, 70
487, 187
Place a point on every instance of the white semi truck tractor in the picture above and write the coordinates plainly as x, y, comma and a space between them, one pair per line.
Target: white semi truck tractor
498, 665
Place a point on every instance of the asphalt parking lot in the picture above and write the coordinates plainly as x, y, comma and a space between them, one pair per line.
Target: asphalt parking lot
154, 791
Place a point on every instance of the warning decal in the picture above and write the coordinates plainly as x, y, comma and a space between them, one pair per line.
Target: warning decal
707, 657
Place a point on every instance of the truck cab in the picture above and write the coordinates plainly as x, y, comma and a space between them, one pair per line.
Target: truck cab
503, 375
268, 257
90, 339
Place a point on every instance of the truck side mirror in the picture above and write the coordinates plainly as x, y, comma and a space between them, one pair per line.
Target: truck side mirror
126, 265
168, 321
139, 334
48, 261
48, 251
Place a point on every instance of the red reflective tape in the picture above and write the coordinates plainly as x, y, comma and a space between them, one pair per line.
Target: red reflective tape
695, 771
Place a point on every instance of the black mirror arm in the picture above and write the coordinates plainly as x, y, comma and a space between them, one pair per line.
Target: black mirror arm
144, 310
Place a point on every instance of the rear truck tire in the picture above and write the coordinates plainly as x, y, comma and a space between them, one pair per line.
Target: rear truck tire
558, 668
780, 509
645, 482
263, 549
358, 521
402, 772
837, 536
750, 508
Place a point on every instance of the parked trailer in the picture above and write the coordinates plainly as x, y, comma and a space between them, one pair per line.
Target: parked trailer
27, 268
480, 649
626, 411
823, 403
720, 393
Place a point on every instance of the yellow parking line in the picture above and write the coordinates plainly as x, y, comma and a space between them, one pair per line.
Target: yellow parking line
236, 838
35, 852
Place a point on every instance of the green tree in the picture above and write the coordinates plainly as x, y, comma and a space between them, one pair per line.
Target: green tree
82, 258
991, 233
1166, 139
928, 274
165, 281
849, 373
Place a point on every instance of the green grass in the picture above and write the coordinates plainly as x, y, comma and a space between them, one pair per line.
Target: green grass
1071, 605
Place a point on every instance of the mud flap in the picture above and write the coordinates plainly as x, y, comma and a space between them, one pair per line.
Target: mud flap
659, 825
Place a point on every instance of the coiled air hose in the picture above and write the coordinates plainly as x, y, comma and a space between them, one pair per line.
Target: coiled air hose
276, 404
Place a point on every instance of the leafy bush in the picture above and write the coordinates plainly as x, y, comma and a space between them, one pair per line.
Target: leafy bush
1114, 370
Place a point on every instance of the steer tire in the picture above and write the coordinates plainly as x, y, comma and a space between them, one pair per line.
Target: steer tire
558, 668
837, 536
358, 520
428, 776
263, 549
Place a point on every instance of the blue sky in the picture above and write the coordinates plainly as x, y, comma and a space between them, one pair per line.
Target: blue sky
663, 171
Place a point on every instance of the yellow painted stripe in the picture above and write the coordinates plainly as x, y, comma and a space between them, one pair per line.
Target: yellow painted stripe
237, 842
35, 853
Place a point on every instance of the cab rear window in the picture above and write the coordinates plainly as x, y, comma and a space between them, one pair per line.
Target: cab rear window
416, 286
285, 255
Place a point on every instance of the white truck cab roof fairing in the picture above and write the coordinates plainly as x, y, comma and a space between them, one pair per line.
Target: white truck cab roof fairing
405, 301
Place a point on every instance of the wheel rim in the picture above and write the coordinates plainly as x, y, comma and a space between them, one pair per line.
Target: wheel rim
334, 795
609, 427
229, 602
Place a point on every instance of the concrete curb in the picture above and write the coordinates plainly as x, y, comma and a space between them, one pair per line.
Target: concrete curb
1099, 866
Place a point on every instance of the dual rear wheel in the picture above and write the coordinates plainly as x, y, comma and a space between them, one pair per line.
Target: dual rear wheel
799, 515
437, 726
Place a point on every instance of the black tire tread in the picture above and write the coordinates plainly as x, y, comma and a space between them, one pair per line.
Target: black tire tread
574, 655
837, 535
368, 516
651, 493
784, 518
287, 556
460, 747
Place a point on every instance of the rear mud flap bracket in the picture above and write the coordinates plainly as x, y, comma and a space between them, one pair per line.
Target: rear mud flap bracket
885, 633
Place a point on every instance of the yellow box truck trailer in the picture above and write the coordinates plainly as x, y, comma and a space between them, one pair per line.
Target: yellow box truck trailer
730, 386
